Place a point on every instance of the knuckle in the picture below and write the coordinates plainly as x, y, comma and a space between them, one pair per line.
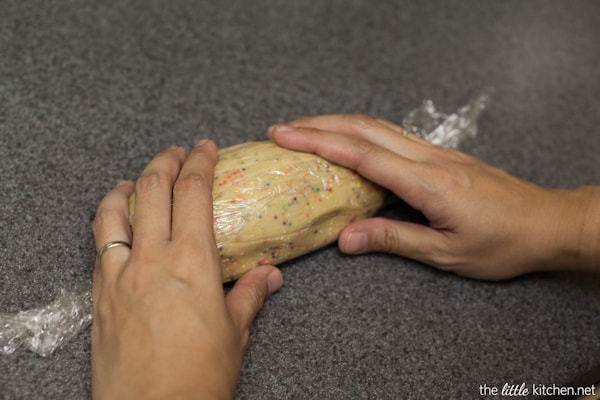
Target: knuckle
389, 240
160, 175
190, 259
102, 313
365, 149
360, 121
440, 259
104, 308
102, 220
443, 179
151, 182
256, 299
457, 181
256, 294
444, 257
361, 124
192, 182
434, 173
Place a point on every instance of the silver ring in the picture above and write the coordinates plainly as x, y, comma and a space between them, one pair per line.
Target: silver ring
110, 245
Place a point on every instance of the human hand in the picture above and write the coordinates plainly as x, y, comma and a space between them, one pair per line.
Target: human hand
162, 326
483, 222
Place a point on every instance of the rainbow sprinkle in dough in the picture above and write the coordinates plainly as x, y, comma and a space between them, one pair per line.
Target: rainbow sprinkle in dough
272, 204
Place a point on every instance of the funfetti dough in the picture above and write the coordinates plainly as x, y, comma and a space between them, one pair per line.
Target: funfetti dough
272, 204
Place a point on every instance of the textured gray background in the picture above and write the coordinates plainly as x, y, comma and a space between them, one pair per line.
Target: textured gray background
90, 91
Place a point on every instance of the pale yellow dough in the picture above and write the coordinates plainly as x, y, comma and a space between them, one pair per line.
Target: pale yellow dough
272, 204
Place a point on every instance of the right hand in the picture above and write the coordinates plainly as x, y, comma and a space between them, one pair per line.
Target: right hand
483, 222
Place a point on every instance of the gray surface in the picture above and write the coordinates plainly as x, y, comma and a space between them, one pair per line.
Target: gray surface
89, 91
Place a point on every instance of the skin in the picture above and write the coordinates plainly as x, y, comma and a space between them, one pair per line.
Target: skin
483, 222
162, 325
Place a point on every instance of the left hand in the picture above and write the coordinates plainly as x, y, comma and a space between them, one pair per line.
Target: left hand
162, 326
483, 222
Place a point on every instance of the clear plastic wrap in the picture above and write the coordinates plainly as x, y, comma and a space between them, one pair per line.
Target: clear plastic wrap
447, 130
272, 204
44, 329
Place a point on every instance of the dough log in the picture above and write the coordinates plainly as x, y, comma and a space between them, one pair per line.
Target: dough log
272, 204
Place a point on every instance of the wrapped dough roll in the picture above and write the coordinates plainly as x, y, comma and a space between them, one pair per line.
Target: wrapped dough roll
272, 204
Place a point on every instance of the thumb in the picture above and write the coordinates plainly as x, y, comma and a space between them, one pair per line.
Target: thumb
405, 239
249, 293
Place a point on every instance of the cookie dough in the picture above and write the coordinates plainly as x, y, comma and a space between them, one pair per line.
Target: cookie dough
272, 204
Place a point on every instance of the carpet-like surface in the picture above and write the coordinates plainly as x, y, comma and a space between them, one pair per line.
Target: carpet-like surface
90, 91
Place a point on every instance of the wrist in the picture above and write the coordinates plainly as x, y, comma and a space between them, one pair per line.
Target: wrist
589, 241
173, 391
201, 385
577, 233
164, 384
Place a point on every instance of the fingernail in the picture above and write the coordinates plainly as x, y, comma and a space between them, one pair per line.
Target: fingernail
356, 243
274, 281
201, 142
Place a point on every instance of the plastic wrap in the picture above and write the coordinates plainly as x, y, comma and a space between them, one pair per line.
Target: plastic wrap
271, 204
286, 204
447, 130
43, 329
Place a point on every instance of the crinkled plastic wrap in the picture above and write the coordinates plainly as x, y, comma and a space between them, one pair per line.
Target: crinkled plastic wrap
272, 204
44, 329
252, 212
447, 130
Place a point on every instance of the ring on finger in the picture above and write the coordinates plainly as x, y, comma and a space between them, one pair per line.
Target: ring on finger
111, 245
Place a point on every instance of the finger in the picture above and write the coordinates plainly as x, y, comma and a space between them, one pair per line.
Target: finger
406, 239
153, 193
110, 224
249, 293
386, 135
192, 196
374, 162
